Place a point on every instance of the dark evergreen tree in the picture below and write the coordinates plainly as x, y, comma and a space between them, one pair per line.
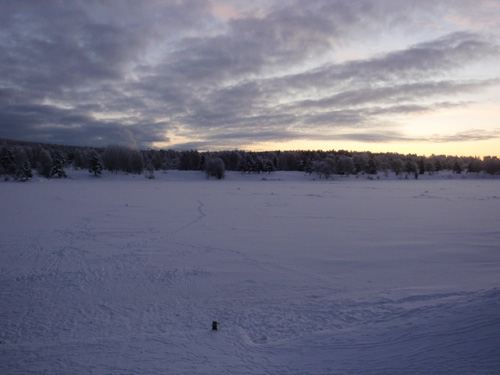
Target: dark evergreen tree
157, 159
58, 167
202, 162
421, 165
359, 163
189, 160
344, 165
24, 172
371, 168
491, 164
259, 165
410, 166
250, 163
429, 166
8, 162
231, 159
242, 165
15, 163
475, 166
269, 167
275, 162
438, 163
95, 164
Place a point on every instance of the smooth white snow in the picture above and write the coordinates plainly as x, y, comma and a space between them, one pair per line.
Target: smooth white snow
124, 275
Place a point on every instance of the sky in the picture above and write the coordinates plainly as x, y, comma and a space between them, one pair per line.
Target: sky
400, 76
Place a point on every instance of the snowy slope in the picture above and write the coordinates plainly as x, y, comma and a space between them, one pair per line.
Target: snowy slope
124, 275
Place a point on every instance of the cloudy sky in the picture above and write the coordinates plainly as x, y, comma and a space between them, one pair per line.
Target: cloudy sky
380, 75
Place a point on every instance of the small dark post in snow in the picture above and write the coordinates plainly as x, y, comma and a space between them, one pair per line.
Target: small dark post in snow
214, 326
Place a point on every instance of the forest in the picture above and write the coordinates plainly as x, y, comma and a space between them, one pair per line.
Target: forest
20, 160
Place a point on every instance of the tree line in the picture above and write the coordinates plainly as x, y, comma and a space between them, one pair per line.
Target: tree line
20, 160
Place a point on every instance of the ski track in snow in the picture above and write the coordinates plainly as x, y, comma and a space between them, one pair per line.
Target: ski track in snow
305, 277
194, 221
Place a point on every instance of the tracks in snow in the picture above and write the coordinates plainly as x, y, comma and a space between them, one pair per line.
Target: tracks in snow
197, 219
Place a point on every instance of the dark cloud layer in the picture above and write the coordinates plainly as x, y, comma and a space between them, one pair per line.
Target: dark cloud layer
225, 73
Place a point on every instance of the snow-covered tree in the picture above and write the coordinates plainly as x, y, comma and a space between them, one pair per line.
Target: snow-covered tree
325, 167
215, 167
150, 170
397, 166
44, 165
78, 160
410, 166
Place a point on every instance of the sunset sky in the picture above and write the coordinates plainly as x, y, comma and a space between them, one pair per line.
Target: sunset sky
385, 76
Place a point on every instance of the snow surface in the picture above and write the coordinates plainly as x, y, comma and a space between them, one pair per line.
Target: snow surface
124, 275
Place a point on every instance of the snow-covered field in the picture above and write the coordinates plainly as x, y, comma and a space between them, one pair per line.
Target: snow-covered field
124, 275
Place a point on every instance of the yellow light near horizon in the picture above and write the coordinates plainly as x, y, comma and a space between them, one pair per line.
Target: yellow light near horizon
426, 134
442, 126
477, 148
432, 133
